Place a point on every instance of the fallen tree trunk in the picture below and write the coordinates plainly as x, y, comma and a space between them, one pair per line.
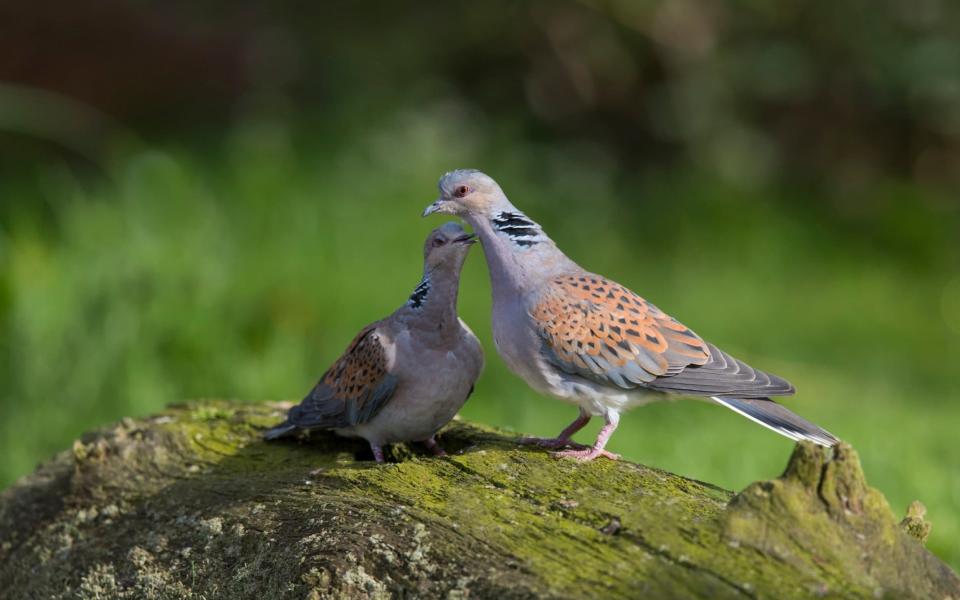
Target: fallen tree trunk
191, 504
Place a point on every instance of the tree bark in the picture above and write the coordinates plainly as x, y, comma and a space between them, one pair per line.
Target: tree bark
192, 504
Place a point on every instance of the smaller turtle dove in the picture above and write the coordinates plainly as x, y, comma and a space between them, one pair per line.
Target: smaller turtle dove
585, 339
404, 377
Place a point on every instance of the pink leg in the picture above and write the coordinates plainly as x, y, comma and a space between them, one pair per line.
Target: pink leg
585, 454
563, 439
433, 446
377, 453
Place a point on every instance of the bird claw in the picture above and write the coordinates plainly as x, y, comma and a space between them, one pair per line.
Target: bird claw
550, 443
571, 449
585, 454
434, 447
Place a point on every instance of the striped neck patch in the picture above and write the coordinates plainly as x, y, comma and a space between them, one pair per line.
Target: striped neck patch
519, 228
420, 294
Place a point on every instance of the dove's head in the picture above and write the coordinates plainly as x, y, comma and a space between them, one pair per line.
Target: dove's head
468, 193
446, 247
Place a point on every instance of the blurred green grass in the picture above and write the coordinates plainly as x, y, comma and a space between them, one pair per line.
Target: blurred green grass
244, 272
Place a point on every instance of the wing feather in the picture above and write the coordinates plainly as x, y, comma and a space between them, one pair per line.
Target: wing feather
724, 375
352, 390
596, 328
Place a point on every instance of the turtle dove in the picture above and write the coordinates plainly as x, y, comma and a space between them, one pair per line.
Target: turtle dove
590, 341
404, 377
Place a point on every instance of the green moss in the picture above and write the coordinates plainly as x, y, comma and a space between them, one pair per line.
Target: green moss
915, 524
194, 501
211, 412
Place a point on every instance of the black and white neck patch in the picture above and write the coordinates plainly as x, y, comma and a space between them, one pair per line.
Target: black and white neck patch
519, 228
420, 294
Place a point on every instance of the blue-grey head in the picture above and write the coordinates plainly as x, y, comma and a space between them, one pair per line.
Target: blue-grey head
468, 192
447, 247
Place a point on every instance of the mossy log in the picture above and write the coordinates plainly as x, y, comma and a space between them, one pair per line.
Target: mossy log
192, 504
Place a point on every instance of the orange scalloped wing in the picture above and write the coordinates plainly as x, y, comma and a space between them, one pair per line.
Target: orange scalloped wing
598, 329
353, 389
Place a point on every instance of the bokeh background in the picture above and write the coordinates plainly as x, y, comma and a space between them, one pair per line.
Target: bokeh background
209, 199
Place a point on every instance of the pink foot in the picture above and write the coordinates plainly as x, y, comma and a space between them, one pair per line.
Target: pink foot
563, 440
585, 454
377, 453
434, 447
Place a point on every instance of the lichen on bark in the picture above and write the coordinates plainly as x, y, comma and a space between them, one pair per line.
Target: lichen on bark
192, 504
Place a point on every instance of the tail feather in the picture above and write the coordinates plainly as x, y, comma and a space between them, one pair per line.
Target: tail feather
279, 431
777, 418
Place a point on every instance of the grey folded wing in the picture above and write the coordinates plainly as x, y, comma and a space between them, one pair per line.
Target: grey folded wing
723, 375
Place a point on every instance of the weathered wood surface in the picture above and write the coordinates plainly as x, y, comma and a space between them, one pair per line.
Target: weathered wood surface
191, 504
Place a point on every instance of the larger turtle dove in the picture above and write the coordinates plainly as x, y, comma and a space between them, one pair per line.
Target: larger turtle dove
590, 341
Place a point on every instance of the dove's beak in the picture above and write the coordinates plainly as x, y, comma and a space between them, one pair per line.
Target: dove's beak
432, 208
467, 238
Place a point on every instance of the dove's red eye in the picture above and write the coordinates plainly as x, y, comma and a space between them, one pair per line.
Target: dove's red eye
437, 242
461, 191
